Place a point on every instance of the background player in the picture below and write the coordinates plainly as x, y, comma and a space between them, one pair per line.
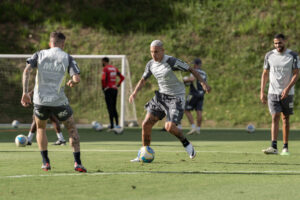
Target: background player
195, 98
169, 100
110, 88
281, 67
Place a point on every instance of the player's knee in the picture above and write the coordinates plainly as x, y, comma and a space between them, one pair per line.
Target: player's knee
169, 126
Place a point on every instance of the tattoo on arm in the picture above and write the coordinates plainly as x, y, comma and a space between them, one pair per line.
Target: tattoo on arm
26, 77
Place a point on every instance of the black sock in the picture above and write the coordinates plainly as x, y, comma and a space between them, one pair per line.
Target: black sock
77, 157
285, 145
185, 142
274, 144
45, 156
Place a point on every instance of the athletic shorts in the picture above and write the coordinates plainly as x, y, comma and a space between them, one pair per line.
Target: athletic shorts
194, 102
162, 105
61, 112
276, 105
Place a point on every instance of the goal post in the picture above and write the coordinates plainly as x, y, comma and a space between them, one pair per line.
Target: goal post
86, 99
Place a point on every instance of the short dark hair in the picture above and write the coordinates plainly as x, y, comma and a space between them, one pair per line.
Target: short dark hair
105, 59
279, 36
57, 37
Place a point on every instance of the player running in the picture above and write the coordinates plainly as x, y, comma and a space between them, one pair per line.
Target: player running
52, 66
169, 100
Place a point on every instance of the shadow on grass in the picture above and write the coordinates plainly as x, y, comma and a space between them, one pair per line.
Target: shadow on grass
134, 135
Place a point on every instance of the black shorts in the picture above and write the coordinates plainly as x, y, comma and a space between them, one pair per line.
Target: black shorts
276, 105
162, 105
61, 112
194, 102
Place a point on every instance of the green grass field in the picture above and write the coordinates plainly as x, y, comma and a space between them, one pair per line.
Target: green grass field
229, 165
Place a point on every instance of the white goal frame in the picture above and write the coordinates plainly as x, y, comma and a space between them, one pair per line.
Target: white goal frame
124, 64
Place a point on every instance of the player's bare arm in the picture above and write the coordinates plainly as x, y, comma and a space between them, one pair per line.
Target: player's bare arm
138, 87
74, 80
294, 79
205, 86
26, 99
264, 80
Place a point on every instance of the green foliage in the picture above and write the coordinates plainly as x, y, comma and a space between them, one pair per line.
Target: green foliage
230, 36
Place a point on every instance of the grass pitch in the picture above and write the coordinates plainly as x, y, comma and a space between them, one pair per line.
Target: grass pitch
229, 165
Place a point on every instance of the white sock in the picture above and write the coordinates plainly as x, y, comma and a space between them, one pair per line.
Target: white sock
60, 136
179, 126
30, 136
198, 128
193, 126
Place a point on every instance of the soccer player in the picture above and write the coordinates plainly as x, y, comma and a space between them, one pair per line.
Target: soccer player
169, 100
110, 88
52, 66
195, 98
281, 69
55, 122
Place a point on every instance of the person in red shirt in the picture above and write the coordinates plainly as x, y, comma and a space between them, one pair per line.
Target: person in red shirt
110, 88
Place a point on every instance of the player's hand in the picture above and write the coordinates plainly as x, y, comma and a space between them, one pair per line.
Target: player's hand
71, 83
263, 98
26, 100
132, 97
284, 93
206, 87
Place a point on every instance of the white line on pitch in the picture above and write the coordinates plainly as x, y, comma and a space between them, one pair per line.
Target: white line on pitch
161, 172
114, 150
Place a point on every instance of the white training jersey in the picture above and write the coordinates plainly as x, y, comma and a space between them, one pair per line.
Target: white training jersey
281, 67
52, 65
167, 73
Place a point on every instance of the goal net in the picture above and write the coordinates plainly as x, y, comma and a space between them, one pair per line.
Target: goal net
86, 99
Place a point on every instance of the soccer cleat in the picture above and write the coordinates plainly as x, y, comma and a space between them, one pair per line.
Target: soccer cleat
29, 143
191, 132
190, 150
135, 160
270, 150
79, 168
285, 152
59, 142
46, 167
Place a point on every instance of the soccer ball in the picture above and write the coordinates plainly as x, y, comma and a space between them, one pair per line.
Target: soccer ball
118, 130
15, 124
21, 141
250, 128
97, 126
146, 154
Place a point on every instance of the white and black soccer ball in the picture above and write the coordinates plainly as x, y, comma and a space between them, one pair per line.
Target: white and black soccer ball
97, 126
250, 128
21, 141
146, 154
118, 130
15, 124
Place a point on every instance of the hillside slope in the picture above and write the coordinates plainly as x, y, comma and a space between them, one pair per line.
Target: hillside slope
231, 37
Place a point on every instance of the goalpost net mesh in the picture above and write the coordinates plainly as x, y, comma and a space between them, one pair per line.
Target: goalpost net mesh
86, 99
